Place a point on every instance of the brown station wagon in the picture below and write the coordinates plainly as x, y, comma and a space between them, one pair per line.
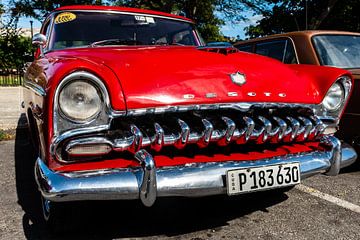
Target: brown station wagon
326, 48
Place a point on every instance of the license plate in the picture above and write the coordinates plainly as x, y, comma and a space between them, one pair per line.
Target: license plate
261, 178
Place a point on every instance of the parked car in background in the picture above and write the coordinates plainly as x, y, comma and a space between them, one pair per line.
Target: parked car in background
322, 48
219, 44
130, 104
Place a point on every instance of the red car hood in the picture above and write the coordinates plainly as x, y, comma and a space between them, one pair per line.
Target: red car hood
158, 76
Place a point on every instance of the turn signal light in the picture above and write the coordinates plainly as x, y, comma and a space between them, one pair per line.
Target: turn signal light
89, 150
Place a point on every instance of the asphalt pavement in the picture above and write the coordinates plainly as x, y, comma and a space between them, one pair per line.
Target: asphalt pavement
10, 109
293, 215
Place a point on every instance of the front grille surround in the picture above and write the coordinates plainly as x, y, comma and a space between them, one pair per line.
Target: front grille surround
221, 127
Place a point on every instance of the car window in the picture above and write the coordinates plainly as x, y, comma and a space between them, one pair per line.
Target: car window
290, 55
341, 51
273, 49
282, 50
76, 29
245, 48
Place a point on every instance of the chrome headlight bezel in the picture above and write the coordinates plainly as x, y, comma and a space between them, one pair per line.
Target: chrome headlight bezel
345, 83
62, 124
334, 98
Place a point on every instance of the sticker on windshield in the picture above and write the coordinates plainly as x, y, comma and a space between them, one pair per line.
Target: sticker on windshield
65, 17
144, 20
150, 20
140, 18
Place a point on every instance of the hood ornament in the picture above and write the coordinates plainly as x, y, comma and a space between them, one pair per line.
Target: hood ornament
238, 78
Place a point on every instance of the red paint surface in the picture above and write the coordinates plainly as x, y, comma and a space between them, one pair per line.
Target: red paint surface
156, 76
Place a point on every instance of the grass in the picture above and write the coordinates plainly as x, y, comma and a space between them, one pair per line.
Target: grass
6, 135
10, 80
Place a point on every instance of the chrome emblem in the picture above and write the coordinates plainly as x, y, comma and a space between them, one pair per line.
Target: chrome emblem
238, 78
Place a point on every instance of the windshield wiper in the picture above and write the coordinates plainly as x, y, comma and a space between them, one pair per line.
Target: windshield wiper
169, 44
116, 42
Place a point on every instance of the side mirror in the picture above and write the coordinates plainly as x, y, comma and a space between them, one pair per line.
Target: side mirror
39, 40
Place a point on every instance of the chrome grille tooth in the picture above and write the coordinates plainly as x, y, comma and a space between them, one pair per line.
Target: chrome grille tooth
317, 129
282, 126
265, 130
288, 134
137, 139
184, 134
293, 130
229, 132
307, 128
158, 140
247, 132
295, 126
206, 135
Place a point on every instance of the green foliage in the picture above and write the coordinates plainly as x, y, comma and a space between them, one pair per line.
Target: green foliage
39, 8
14, 48
6, 135
209, 15
290, 15
201, 11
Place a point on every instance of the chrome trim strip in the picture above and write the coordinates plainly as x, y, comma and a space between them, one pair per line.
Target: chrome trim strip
240, 106
191, 180
39, 90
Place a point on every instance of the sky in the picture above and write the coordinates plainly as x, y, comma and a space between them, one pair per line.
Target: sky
229, 29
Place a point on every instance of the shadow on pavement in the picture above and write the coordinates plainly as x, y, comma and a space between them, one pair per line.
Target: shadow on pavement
119, 219
26, 189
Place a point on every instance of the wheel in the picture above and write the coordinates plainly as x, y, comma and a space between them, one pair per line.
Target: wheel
54, 215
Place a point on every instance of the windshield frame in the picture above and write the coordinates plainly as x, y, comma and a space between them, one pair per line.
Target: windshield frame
51, 16
319, 59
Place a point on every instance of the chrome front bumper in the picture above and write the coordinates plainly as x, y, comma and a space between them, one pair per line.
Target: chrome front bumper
192, 180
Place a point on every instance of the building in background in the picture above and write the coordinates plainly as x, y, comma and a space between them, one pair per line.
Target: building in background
26, 32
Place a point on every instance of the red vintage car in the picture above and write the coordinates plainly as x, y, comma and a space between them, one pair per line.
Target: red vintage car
131, 104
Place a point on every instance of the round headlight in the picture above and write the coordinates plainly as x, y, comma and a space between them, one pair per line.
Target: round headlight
79, 101
334, 98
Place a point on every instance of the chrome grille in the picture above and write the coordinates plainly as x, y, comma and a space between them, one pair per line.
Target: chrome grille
202, 128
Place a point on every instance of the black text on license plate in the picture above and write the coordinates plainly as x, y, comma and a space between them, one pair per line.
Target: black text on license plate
261, 178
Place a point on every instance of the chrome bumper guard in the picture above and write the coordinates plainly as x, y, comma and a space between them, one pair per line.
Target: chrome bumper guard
192, 180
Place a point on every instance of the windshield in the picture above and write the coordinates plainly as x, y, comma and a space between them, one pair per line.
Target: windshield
79, 29
341, 51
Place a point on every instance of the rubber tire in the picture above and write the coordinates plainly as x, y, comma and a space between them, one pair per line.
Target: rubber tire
54, 215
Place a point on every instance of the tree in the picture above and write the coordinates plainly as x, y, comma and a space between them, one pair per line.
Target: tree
205, 12
201, 11
39, 8
14, 48
290, 15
